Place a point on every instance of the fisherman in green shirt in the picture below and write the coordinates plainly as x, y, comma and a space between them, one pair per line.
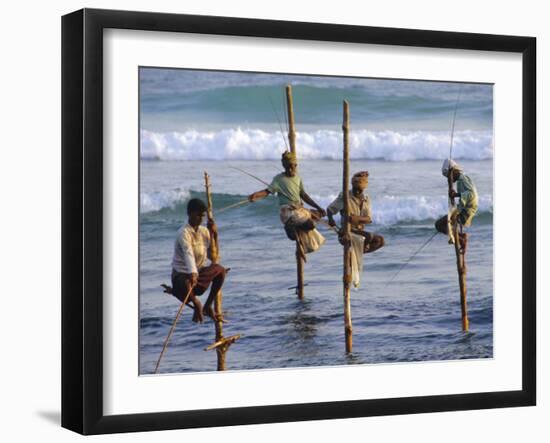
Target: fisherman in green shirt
466, 192
298, 221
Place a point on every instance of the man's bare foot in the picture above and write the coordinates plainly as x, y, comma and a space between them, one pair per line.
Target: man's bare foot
167, 289
198, 317
209, 311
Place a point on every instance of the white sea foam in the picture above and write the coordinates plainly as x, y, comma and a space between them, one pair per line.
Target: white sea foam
386, 210
390, 210
155, 201
256, 144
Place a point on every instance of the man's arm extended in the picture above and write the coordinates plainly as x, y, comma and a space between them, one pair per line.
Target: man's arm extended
255, 196
330, 215
333, 209
311, 202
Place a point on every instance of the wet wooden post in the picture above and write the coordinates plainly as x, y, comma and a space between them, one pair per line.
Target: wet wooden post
221, 344
290, 113
460, 262
346, 233
292, 144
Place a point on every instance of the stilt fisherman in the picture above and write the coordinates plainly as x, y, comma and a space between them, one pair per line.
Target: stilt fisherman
467, 205
299, 222
190, 271
362, 242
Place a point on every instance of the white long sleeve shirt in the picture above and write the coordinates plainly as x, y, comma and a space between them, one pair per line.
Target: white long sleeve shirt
190, 249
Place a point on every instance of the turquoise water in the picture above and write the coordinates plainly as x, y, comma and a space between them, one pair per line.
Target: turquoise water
400, 139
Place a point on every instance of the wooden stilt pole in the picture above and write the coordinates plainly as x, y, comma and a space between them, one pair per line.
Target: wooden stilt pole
460, 265
221, 344
290, 112
346, 234
292, 144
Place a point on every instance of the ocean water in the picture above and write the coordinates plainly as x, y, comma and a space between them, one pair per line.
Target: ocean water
192, 121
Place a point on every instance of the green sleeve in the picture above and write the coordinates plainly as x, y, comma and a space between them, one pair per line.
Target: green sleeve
274, 185
465, 198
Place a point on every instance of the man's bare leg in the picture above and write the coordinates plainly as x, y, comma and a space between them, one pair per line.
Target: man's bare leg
198, 316
217, 284
441, 225
376, 242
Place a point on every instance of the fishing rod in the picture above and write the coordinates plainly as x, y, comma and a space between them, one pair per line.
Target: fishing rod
454, 120
256, 178
436, 232
449, 175
411, 257
167, 339
285, 194
454, 235
234, 205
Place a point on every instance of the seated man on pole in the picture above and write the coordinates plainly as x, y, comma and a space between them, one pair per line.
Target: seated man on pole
362, 242
467, 203
189, 269
298, 221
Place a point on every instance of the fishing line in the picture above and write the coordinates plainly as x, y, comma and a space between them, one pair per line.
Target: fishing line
254, 177
454, 119
286, 195
449, 175
260, 180
412, 256
279, 120
234, 205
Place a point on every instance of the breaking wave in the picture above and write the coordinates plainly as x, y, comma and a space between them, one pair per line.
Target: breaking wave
156, 201
257, 144
391, 210
386, 210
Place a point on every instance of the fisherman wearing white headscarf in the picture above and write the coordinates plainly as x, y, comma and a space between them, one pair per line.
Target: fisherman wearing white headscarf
468, 199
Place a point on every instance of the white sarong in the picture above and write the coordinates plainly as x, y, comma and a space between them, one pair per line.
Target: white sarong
357, 250
312, 240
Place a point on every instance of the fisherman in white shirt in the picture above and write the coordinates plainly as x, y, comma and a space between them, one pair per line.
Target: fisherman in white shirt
189, 269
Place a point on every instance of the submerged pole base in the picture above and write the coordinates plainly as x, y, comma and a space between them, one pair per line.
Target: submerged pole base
299, 271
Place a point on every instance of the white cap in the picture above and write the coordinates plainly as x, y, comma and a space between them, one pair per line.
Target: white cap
449, 164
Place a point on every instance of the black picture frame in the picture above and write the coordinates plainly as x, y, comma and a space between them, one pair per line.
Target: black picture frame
82, 219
